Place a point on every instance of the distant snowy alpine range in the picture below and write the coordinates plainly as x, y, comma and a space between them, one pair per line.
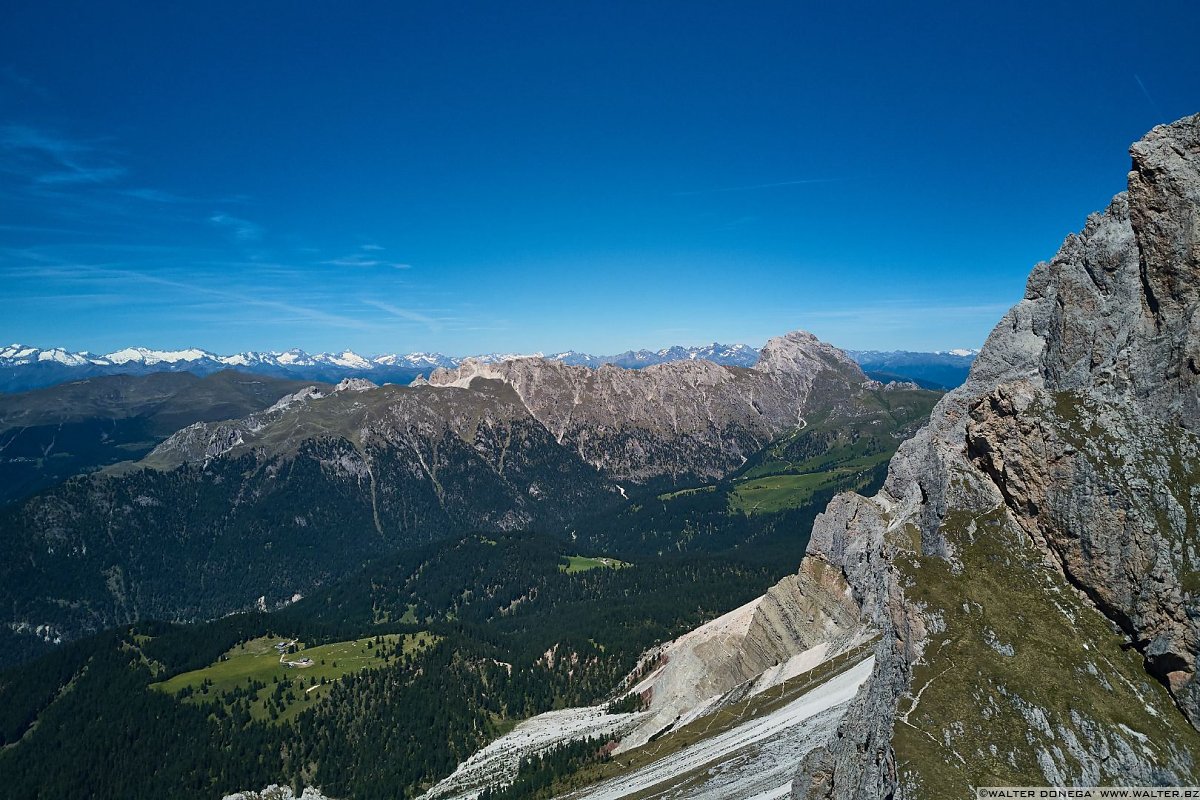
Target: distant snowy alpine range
24, 367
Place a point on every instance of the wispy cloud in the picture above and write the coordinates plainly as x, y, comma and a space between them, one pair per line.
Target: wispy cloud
432, 323
81, 174
49, 159
110, 278
154, 195
741, 221
241, 229
358, 260
753, 186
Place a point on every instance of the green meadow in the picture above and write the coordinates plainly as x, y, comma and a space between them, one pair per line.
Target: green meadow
255, 677
584, 563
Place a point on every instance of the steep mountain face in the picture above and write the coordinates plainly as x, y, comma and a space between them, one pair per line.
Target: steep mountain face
268, 506
51, 434
693, 419
1031, 561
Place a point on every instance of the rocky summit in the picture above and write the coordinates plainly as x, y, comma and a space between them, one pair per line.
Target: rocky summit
1031, 561
687, 418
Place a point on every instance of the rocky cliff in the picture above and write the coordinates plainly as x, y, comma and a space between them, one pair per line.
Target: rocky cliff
1032, 558
694, 418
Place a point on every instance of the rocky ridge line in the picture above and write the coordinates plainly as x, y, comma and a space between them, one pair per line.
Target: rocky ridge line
627, 422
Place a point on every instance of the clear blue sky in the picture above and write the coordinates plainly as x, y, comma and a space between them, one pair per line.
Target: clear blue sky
472, 177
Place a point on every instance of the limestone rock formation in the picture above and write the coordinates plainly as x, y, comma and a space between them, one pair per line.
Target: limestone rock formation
802, 621
1032, 558
693, 418
276, 792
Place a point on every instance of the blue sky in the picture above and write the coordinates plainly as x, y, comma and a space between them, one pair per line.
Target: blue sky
471, 177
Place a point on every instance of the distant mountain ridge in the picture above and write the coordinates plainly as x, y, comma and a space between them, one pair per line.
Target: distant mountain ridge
740, 355
25, 367
941, 369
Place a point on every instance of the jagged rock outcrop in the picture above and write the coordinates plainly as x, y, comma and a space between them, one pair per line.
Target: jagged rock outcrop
276, 792
1032, 558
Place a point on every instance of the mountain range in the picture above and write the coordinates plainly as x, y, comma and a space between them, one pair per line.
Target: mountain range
25, 367
305, 490
942, 370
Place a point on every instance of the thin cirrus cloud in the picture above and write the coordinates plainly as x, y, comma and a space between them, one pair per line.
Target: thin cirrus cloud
9, 76
154, 196
363, 261
241, 229
125, 281
80, 174
434, 324
69, 177
46, 159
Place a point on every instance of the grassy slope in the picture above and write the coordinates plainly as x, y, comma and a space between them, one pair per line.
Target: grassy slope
833, 451
967, 728
584, 563
258, 660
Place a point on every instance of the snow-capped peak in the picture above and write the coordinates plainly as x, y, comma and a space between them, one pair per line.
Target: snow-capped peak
349, 359
18, 354
242, 359
142, 355
60, 356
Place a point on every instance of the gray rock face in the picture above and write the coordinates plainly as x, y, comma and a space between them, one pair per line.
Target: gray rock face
276, 792
1033, 554
692, 418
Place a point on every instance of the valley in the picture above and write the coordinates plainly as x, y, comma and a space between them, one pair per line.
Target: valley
308, 490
